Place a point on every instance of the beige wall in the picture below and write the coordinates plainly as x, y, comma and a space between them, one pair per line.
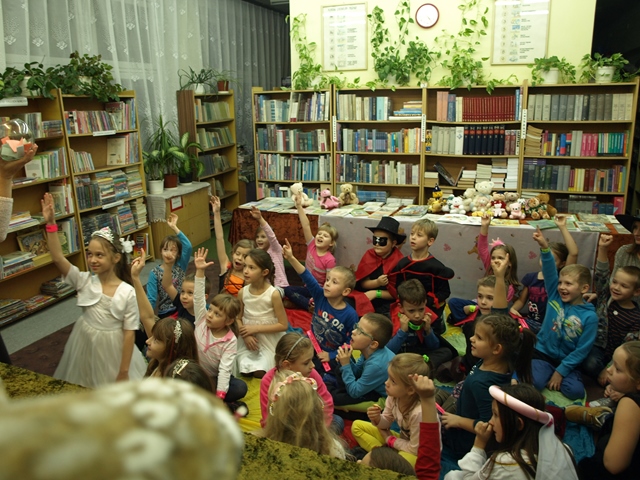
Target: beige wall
570, 31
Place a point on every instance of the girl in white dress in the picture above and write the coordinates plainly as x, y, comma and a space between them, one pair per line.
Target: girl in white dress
101, 347
264, 319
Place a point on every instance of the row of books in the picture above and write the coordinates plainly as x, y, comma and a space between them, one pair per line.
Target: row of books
123, 149
122, 113
407, 140
411, 109
288, 167
351, 168
47, 164
292, 140
214, 163
15, 262
589, 204
214, 137
538, 175
211, 111
38, 127
107, 187
79, 122
587, 107
583, 144
495, 108
352, 107
270, 189
62, 197
300, 107
473, 140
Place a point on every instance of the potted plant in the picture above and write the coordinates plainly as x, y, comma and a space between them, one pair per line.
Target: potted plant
198, 81
157, 153
464, 69
190, 164
38, 81
603, 69
11, 80
88, 75
552, 70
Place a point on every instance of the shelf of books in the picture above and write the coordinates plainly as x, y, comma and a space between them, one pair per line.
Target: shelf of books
292, 141
472, 136
106, 168
378, 142
578, 145
210, 120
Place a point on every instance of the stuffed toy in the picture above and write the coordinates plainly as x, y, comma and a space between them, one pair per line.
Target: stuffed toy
467, 198
516, 211
457, 206
296, 189
347, 197
498, 205
435, 207
534, 209
509, 198
446, 203
544, 202
437, 193
327, 200
480, 205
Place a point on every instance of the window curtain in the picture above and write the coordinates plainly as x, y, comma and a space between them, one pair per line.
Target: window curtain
148, 41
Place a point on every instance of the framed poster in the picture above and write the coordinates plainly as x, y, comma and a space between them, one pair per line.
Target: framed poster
521, 31
344, 37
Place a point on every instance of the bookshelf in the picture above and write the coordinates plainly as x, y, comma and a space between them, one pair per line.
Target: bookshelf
292, 141
107, 175
578, 144
210, 120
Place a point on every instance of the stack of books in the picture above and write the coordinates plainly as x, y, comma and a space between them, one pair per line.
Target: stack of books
81, 161
134, 182
87, 192
498, 172
15, 262
410, 109
106, 186
214, 163
120, 184
37, 301
483, 173
430, 179
55, 287
139, 210
467, 179
20, 220
10, 308
124, 218
533, 141
511, 181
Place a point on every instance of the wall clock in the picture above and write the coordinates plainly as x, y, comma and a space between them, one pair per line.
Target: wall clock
427, 15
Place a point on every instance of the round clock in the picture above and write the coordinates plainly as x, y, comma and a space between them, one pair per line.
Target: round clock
427, 15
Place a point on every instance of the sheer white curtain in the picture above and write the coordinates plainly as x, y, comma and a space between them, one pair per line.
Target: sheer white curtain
148, 41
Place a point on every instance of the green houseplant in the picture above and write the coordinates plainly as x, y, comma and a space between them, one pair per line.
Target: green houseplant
206, 79
551, 70
38, 80
603, 69
11, 83
88, 75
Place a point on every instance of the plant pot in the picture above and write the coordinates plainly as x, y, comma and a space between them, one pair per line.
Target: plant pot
170, 181
155, 187
199, 89
25, 91
605, 74
551, 77
223, 86
186, 180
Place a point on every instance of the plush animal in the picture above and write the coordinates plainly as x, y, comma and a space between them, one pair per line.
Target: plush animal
446, 204
480, 205
347, 197
295, 190
544, 201
484, 188
516, 211
498, 205
437, 193
457, 206
467, 198
327, 200
509, 198
535, 210
434, 205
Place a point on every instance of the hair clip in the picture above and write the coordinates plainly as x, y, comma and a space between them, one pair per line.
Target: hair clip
177, 369
496, 243
177, 331
520, 328
294, 377
425, 358
127, 245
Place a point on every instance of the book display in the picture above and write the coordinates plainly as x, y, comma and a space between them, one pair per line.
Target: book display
75, 137
210, 120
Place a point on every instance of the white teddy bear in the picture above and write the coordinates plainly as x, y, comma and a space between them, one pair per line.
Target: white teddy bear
296, 189
457, 206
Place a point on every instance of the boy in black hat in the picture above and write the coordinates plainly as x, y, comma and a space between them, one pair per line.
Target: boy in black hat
377, 263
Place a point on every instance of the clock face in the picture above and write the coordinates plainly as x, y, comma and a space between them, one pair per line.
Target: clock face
427, 15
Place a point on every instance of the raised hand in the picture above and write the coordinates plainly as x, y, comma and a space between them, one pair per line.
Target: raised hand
9, 169
287, 251
423, 386
561, 220
172, 222
48, 210
137, 265
215, 204
605, 240
200, 259
500, 265
255, 213
539, 237
485, 221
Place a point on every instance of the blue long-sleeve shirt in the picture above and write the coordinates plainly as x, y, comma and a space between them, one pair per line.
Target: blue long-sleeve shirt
367, 374
410, 338
568, 331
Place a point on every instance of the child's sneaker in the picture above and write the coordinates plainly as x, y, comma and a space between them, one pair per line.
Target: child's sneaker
603, 402
594, 416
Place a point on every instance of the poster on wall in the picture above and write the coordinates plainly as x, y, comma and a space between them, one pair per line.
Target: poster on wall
344, 37
521, 31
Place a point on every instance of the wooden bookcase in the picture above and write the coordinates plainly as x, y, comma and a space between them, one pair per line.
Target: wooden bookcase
292, 143
210, 120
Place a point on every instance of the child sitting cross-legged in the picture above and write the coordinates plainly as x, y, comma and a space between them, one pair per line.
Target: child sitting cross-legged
333, 319
402, 406
415, 334
569, 327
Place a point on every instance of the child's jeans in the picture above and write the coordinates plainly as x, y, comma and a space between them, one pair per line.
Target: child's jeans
571, 385
299, 296
595, 362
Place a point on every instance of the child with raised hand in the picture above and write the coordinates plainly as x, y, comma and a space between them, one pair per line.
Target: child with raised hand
101, 347
215, 334
527, 445
533, 293
267, 241
461, 308
231, 270
569, 327
148, 318
295, 352
402, 406
176, 252
503, 347
297, 416
333, 319
182, 299
618, 314
617, 454
319, 259
170, 339
264, 319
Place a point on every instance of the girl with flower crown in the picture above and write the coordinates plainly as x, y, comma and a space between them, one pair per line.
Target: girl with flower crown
101, 347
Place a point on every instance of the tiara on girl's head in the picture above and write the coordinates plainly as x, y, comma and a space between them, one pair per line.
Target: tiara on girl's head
125, 246
294, 377
177, 331
179, 366
105, 233
497, 243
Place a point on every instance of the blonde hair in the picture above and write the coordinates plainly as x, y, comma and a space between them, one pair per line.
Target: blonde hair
347, 273
403, 365
297, 416
333, 233
580, 272
426, 226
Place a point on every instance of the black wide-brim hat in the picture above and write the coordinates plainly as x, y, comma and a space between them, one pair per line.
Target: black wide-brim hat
390, 225
627, 221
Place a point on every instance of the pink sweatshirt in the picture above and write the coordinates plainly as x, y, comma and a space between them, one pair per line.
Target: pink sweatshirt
265, 383
275, 252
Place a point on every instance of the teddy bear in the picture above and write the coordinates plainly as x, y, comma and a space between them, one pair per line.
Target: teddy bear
295, 190
535, 210
498, 205
479, 205
457, 206
467, 198
544, 202
446, 203
347, 197
482, 199
327, 200
516, 211
509, 198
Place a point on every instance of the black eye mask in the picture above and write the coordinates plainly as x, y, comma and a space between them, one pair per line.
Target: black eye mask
382, 241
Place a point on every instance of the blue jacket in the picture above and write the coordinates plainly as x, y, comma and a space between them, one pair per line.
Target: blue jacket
568, 331
367, 374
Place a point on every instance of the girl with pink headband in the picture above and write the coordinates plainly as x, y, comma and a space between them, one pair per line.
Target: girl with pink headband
527, 445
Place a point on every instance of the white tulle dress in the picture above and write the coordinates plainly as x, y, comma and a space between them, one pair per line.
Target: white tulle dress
93, 352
